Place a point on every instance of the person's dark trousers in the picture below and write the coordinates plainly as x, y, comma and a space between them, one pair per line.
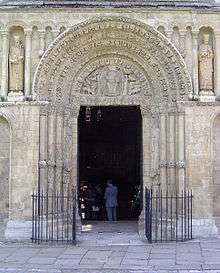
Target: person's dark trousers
111, 213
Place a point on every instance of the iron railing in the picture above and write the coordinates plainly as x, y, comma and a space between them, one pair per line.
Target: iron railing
53, 217
168, 217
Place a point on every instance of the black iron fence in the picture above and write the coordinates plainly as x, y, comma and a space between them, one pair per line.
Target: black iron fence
168, 217
53, 217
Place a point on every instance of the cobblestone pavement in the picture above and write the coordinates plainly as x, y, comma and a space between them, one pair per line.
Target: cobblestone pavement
116, 252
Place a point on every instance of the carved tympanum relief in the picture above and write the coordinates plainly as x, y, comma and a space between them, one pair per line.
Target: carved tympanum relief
206, 65
16, 64
111, 77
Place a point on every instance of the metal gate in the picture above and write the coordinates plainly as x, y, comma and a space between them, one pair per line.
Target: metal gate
53, 217
168, 217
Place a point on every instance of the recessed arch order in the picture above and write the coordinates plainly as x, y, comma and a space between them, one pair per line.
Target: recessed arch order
111, 61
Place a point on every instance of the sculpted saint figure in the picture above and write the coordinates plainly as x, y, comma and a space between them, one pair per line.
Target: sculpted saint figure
111, 82
206, 66
16, 65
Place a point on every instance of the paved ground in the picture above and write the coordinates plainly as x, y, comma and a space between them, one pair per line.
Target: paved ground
95, 253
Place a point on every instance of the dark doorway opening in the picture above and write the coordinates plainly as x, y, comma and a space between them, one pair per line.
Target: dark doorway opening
110, 148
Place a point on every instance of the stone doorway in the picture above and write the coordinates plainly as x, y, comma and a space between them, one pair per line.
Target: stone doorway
110, 147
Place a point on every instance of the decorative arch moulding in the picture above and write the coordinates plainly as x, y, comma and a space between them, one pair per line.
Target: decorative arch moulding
112, 61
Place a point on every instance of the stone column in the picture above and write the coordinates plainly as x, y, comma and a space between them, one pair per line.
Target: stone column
73, 126
4, 76
182, 48
181, 151
43, 150
195, 65
27, 77
171, 151
41, 42
189, 53
51, 149
146, 180
169, 35
163, 152
217, 65
59, 151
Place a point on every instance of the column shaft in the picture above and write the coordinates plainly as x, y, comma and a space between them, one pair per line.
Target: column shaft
217, 65
163, 153
51, 151
27, 78
171, 148
43, 152
181, 152
59, 153
195, 65
4, 76
42, 43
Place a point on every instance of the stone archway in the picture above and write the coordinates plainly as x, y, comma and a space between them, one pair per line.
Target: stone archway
112, 61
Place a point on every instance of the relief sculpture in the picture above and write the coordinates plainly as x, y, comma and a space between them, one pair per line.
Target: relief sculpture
206, 66
16, 65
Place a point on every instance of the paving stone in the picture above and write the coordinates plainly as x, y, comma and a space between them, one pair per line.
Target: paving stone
138, 255
97, 254
67, 262
45, 260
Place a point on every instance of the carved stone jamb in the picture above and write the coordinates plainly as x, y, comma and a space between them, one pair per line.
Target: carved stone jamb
4, 77
195, 34
217, 64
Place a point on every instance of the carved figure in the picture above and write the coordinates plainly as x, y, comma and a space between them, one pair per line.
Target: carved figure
206, 66
110, 82
16, 65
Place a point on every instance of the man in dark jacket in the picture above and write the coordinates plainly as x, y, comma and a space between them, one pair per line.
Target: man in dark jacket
111, 203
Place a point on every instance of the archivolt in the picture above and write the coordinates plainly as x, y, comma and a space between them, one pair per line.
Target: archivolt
112, 60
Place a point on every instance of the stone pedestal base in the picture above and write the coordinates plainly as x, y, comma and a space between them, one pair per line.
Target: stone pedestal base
204, 228
17, 230
15, 96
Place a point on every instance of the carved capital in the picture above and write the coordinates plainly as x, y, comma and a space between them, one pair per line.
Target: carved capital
51, 163
180, 164
42, 164
163, 163
145, 110
171, 164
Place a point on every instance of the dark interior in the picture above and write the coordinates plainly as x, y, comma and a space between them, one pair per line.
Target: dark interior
110, 148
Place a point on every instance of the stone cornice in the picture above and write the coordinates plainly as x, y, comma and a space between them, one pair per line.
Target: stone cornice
193, 4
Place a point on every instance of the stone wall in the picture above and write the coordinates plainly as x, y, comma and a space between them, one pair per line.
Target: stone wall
4, 168
200, 161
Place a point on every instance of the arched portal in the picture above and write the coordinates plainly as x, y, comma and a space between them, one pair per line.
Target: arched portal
4, 168
112, 62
